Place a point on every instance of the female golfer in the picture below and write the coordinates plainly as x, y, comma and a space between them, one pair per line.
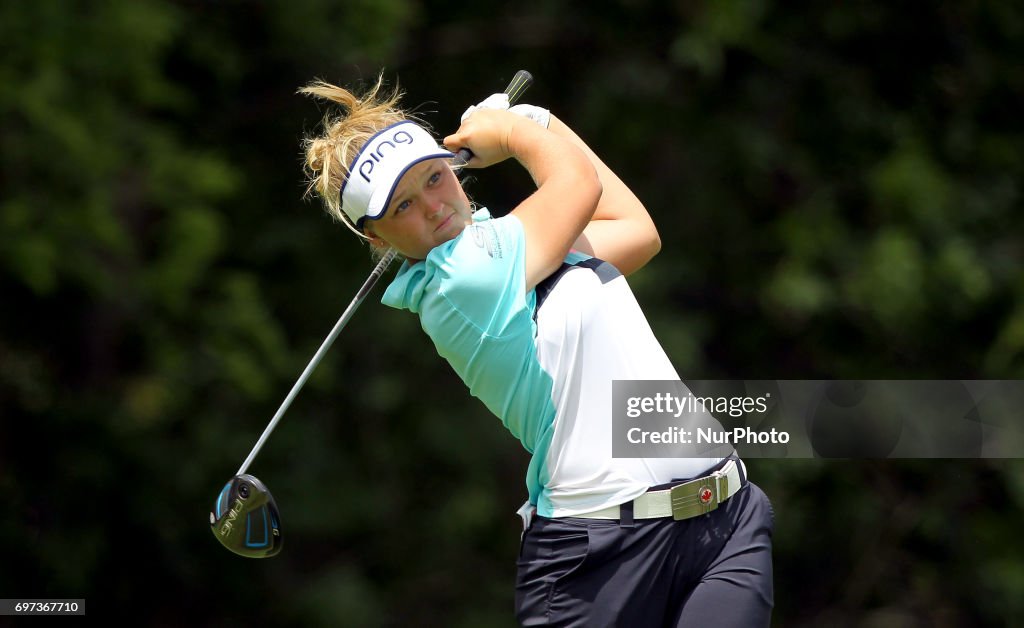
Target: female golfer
533, 312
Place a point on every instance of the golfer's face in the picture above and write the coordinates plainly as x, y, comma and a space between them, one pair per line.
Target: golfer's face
428, 208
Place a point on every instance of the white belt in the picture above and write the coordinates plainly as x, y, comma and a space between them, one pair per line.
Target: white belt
682, 501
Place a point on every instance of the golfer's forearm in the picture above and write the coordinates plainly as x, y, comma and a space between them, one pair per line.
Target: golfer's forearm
623, 243
568, 191
617, 201
621, 230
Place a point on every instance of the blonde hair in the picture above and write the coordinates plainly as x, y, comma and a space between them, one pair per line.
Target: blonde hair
328, 156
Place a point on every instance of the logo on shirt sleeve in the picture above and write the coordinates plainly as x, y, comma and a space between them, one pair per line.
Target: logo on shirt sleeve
485, 236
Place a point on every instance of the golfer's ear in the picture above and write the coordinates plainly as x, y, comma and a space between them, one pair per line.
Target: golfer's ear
375, 239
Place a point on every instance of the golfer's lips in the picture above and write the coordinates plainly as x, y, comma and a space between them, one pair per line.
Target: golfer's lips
445, 222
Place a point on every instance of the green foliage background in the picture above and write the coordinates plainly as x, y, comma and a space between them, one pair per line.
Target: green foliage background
838, 189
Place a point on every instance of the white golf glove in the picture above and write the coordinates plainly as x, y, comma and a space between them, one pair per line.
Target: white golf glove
500, 101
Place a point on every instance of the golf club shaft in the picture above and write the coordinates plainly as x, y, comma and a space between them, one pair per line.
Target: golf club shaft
520, 82
378, 270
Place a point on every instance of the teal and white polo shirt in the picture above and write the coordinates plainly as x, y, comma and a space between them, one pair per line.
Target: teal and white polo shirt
543, 361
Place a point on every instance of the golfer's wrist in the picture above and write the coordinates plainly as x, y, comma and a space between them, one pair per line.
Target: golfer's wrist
528, 140
545, 154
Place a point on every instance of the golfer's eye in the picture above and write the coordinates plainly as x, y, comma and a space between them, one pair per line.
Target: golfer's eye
404, 205
434, 178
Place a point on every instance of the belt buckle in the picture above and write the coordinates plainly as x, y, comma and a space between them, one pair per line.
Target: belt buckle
698, 496
694, 498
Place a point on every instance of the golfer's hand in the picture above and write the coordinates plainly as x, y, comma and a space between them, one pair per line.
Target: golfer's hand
489, 134
500, 101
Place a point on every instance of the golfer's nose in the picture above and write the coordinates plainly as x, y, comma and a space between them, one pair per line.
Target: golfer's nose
434, 204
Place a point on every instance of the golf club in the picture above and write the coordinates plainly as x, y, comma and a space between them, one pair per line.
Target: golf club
245, 518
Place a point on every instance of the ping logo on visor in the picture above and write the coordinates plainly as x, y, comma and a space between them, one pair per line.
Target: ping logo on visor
379, 166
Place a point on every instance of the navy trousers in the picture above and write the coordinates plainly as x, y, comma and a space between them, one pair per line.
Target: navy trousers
711, 570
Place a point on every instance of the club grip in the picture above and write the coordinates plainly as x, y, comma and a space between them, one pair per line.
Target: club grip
519, 84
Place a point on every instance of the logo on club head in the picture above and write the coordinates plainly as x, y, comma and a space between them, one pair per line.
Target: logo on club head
228, 524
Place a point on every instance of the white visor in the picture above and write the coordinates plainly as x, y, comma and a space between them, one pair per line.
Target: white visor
379, 167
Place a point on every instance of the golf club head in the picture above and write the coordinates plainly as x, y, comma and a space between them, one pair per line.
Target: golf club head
245, 519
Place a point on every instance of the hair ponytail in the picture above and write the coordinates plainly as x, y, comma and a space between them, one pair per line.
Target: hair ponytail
328, 155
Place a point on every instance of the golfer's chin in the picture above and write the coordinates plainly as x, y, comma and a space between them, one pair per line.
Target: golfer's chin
420, 253
450, 230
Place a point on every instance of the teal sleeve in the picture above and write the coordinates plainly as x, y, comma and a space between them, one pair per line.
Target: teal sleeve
482, 278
